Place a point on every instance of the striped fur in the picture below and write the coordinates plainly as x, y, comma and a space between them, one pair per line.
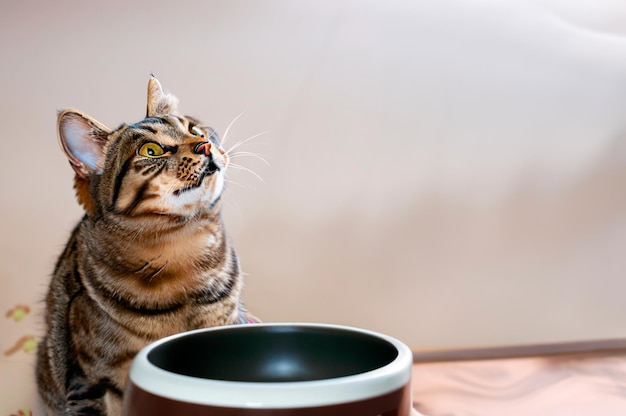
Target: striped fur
150, 258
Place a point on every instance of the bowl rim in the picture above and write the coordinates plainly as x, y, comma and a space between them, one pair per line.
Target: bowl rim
275, 395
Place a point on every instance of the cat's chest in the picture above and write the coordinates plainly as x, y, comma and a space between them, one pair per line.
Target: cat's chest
181, 250
150, 328
154, 278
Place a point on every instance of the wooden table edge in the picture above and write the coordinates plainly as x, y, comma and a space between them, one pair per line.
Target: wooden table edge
520, 351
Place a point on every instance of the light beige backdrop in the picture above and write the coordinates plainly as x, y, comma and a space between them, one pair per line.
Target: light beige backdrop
450, 172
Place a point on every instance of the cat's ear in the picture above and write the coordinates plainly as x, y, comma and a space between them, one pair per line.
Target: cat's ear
159, 102
82, 139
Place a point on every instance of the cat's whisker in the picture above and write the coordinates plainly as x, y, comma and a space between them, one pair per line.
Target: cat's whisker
229, 126
240, 167
243, 141
231, 182
249, 154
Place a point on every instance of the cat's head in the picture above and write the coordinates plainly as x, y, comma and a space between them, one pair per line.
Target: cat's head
165, 166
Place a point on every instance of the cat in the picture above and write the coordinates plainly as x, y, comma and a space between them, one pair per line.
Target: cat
150, 257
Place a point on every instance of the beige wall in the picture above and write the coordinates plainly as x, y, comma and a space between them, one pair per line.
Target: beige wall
449, 172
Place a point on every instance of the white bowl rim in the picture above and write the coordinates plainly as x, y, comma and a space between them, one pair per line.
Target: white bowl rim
273, 395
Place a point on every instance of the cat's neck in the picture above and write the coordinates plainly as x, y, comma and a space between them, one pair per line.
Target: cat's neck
175, 248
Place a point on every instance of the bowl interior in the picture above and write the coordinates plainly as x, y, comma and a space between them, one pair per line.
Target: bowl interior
250, 353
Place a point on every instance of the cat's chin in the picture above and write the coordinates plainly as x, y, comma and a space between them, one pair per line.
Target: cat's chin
168, 220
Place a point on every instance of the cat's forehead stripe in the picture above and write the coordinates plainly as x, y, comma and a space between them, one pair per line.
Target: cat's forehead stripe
152, 124
144, 127
160, 129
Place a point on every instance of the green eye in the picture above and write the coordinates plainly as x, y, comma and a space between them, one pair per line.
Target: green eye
151, 150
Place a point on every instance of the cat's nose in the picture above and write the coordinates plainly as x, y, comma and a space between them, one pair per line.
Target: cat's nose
203, 148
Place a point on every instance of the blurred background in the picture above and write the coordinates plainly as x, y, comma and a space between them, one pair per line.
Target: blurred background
449, 172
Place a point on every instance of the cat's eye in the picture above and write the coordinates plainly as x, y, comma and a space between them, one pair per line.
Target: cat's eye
151, 150
195, 130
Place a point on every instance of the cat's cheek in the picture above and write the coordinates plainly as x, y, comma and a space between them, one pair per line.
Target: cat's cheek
184, 204
154, 207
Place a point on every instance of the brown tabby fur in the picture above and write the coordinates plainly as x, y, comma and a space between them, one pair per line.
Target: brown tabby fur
149, 259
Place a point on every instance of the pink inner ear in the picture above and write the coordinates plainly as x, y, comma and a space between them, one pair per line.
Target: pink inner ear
83, 142
80, 142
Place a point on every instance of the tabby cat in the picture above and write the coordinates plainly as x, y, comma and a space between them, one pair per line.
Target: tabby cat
149, 258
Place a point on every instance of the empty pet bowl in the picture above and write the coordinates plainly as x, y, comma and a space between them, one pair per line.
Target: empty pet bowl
271, 369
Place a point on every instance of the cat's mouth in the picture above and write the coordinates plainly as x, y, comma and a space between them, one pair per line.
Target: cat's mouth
209, 170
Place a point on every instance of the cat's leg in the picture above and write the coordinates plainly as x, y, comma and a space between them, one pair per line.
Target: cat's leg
84, 398
51, 395
99, 397
113, 404
78, 397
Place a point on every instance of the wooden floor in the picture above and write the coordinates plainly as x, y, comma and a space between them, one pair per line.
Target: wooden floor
577, 379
